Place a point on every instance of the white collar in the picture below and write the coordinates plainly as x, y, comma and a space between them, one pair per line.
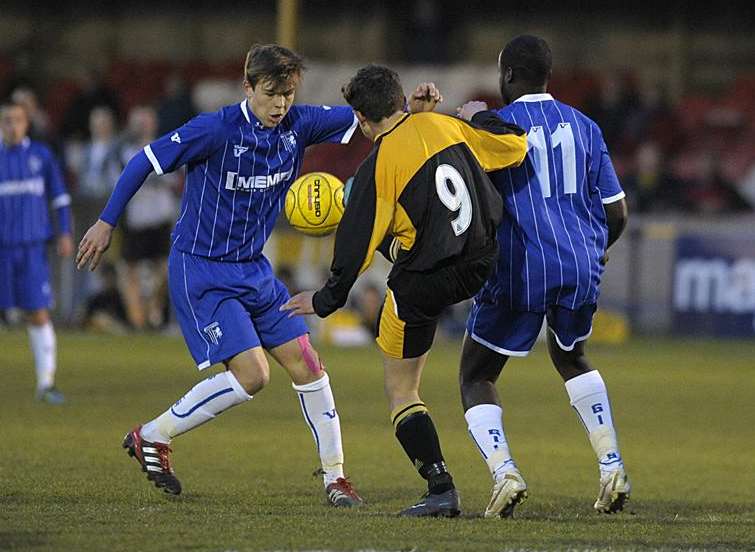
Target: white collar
544, 97
244, 111
256, 123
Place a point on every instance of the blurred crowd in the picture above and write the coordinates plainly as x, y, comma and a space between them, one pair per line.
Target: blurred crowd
696, 155
684, 155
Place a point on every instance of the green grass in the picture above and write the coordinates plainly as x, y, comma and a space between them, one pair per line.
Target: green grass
685, 414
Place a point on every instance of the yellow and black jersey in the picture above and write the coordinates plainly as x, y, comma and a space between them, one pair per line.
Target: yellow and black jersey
423, 198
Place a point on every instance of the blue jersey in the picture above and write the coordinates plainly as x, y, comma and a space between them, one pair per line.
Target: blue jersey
30, 181
555, 233
238, 172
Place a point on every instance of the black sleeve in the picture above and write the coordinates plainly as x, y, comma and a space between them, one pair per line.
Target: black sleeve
357, 238
490, 121
389, 248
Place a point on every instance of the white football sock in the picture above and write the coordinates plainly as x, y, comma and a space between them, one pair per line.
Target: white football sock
319, 410
485, 425
201, 404
589, 397
42, 340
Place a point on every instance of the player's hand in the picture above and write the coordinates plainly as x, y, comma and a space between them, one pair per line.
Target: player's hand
424, 98
301, 303
94, 244
469, 109
65, 245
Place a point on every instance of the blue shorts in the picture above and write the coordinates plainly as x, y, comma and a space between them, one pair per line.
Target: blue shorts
513, 333
25, 277
226, 308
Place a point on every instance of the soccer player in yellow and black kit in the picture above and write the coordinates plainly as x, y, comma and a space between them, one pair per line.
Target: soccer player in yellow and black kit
423, 199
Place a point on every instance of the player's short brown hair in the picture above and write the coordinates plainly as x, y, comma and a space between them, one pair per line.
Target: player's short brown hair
375, 91
272, 62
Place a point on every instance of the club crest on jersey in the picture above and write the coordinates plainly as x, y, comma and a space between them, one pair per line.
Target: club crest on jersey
176, 138
289, 141
214, 332
35, 164
239, 150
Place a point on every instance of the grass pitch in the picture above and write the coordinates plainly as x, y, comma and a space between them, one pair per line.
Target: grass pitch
685, 413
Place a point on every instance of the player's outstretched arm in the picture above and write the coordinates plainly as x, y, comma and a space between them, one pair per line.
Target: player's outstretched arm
301, 303
94, 244
424, 98
97, 239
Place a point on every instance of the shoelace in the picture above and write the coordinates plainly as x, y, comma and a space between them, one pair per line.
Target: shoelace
342, 483
163, 451
345, 486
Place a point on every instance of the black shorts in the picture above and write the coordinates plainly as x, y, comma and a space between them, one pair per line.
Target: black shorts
415, 301
148, 244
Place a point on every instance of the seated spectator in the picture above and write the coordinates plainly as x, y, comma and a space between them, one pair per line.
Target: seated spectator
104, 311
712, 193
650, 187
93, 92
176, 107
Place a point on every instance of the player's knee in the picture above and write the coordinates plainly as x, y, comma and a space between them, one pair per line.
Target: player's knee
569, 364
253, 377
475, 371
400, 392
38, 317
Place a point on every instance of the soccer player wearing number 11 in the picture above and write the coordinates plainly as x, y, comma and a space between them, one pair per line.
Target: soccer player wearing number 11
564, 208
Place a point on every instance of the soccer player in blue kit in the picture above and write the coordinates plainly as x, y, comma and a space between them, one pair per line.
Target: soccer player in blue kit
564, 208
31, 181
241, 161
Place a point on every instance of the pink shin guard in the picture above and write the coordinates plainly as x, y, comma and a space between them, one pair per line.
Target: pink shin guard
308, 353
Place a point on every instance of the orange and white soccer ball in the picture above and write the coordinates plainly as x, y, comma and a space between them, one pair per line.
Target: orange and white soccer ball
314, 203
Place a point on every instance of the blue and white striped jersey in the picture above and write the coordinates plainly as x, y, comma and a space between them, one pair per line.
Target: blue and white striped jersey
238, 172
555, 232
30, 181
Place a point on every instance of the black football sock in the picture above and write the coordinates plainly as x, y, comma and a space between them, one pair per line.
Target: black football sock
416, 433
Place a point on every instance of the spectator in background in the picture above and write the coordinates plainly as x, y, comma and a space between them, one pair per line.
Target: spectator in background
650, 186
97, 167
176, 106
93, 93
94, 167
146, 228
652, 118
612, 107
105, 311
713, 193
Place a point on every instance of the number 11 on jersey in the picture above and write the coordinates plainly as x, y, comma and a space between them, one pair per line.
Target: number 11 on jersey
563, 137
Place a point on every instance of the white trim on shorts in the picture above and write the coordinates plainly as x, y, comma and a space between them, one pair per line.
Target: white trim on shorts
500, 350
570, 347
